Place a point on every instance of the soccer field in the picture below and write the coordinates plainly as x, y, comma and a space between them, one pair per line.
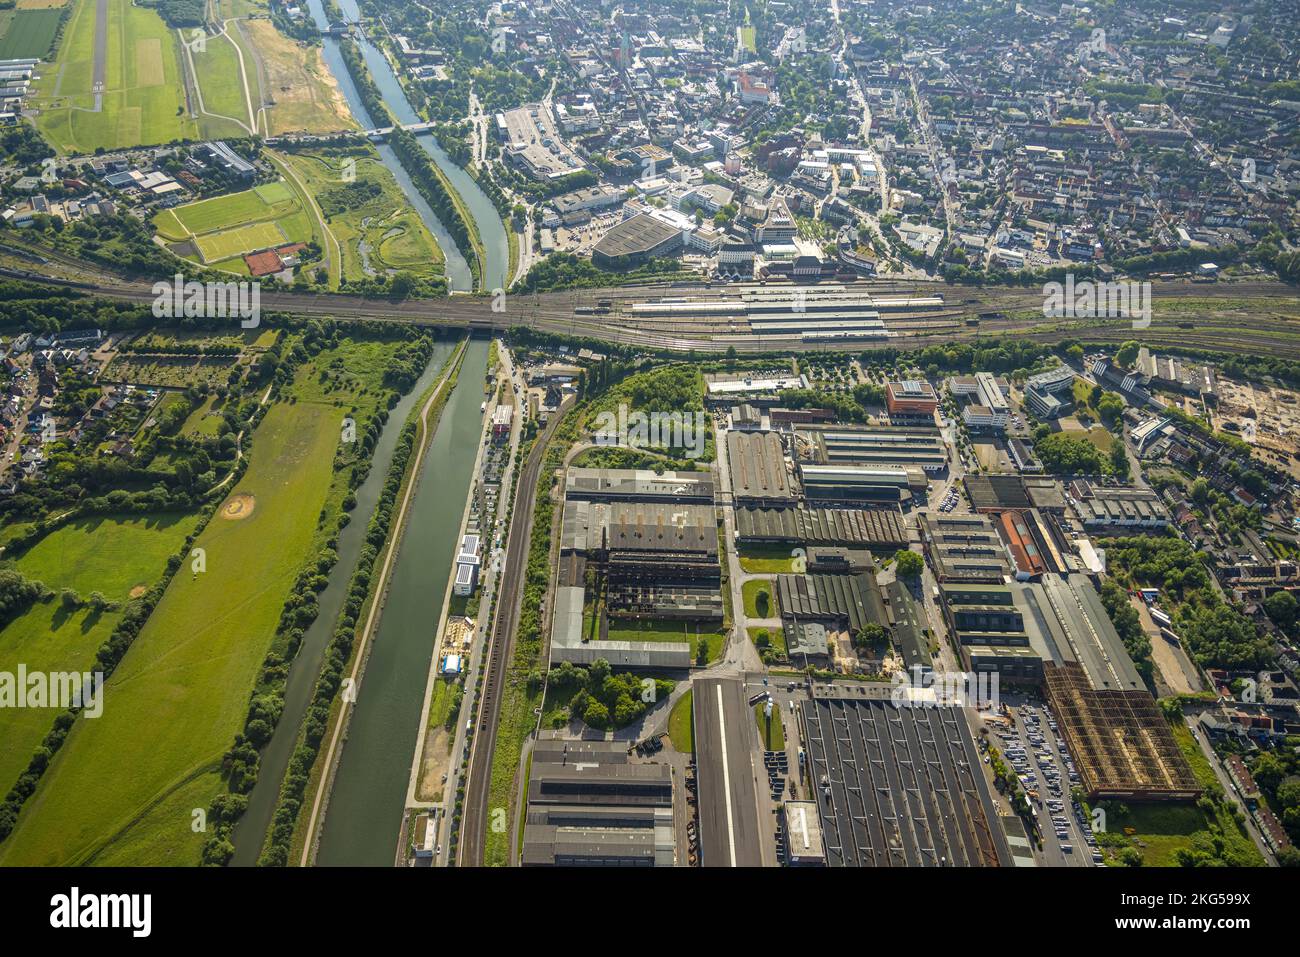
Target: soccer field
242, 239
222, 212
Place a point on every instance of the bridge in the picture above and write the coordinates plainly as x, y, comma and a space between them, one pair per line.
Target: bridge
383, 132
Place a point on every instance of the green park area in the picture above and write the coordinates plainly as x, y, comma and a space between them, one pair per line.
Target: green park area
180, 694
134, 97
92, 567
377, 229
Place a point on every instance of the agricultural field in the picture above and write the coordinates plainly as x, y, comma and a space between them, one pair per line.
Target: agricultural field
27, 33
130, 95
377, 230
117, 556
218, 231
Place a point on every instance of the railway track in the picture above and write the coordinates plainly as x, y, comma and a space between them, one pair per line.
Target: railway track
999, 310
474, 822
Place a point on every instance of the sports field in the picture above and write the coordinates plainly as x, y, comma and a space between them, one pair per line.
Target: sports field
132, 95
180, 695
28, 33
114, 555
243, 239
225, 227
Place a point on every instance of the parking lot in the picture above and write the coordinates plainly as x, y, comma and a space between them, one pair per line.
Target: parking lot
1032, 745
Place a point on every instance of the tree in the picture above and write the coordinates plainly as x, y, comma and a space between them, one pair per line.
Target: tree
1127, 353
871, 633
908, 563
1281, 608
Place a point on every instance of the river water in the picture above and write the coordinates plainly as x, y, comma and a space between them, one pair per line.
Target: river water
491, 230
251, 830
369, 795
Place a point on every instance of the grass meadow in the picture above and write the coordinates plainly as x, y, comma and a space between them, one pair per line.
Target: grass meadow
110, 554
143, 94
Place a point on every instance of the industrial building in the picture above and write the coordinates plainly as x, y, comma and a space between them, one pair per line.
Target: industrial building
468, 560
1171, 372
1117, 509
898, 786
880, 529
906, 630
758, 471
570, 643
843, 602
858, 445
998, 493
588, 806
963, 548
859, 484
1035, 545
650, 543
988, 623
656, 560
611, 485
804, 846
1057, 632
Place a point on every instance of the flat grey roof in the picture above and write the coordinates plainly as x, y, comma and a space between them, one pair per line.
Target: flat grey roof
899, 786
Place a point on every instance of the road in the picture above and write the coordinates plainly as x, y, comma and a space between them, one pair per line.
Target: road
473, 828
1230, 791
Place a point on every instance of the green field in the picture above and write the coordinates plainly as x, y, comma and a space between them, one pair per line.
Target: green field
681, 725
665, 630
773, 736
751, 592
221, 83
276, 192
378, 235
766, 559
243, 239
225, 227
187, 676
143, 100
109, 554
46, 638
220, 212
29, 33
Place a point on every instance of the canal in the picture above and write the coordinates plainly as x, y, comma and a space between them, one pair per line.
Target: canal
491, 230
250, 832
366, 803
